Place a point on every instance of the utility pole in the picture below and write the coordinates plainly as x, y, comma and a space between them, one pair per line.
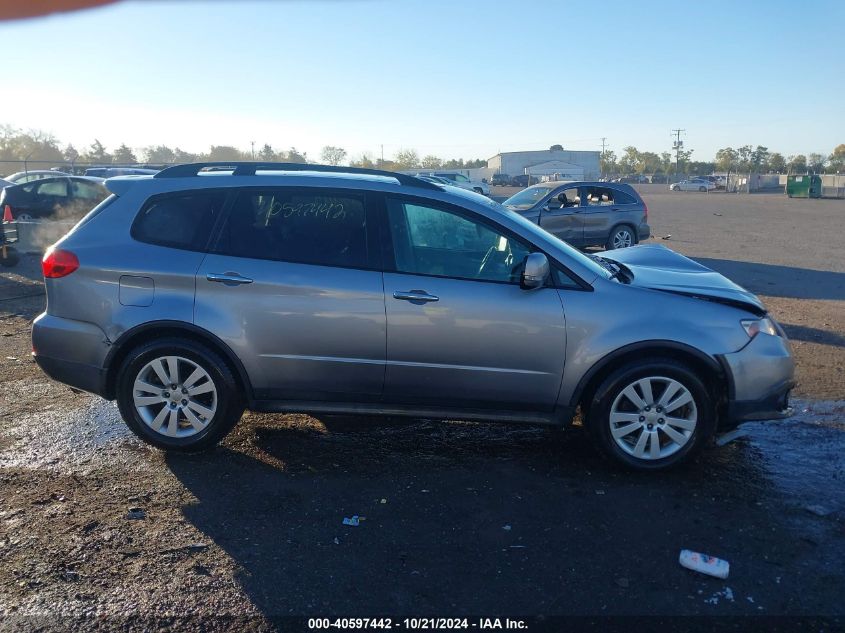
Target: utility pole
603, 139
677, 145
382, 156
252, 144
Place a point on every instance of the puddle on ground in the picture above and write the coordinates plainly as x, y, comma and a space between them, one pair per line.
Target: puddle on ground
59, 437
804, 456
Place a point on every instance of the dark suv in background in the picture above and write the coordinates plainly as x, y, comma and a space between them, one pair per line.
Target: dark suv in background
612, 215
523, 180
500, 180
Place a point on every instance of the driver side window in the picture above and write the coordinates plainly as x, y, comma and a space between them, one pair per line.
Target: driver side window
433, 241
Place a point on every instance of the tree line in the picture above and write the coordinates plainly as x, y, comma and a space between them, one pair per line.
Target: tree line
745, 159
42, 148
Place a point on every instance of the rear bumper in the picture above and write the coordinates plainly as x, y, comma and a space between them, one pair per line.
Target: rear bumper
76, 375
643, 232
71, 352
760, 376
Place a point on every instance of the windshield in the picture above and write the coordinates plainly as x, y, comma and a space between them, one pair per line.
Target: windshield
533, 229
527, 198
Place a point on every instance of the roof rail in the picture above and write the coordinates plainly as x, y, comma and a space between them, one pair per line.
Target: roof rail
249, 168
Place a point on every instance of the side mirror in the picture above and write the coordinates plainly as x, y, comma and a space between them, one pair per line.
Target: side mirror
535, 271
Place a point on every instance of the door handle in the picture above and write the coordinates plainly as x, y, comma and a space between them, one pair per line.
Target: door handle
415, 296
230, 279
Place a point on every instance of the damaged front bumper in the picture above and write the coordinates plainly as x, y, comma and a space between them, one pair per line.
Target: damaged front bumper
760, 377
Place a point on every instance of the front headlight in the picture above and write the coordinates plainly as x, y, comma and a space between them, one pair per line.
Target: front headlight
754, 326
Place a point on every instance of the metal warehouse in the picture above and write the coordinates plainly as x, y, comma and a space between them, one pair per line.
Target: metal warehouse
567, 164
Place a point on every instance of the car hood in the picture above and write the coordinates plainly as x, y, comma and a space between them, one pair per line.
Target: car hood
657, 267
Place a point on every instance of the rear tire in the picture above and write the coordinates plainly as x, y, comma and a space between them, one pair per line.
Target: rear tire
622, 236
204, 406
626, 428
702, 189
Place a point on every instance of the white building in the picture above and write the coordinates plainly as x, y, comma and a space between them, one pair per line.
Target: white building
565, 164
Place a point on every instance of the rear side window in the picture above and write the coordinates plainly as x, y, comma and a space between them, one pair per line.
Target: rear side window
87, 190
319, 227
180, 221
600, 196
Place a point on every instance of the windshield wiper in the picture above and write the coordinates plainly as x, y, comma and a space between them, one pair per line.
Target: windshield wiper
616, 270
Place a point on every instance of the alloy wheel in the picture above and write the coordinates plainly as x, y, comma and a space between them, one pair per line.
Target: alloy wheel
622, 238
653, 418
174, 396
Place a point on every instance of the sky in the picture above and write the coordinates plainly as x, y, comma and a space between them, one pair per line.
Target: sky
451, 78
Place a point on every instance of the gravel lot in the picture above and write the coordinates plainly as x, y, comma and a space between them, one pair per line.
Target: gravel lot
460, 519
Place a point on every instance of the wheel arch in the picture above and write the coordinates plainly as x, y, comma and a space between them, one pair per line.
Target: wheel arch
157, 329
712, 372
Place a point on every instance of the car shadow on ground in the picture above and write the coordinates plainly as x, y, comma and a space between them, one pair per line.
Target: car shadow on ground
780, 281
467, 519
813, 335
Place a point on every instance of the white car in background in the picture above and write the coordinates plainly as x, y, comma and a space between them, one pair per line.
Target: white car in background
694, 184
459, 180
22, 177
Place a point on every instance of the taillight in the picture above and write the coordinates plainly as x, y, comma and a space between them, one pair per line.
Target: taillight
58, 263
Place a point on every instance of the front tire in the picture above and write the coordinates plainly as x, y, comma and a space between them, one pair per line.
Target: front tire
652, 414
702, 189
178, 395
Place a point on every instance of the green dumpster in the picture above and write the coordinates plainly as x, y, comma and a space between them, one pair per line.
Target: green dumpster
806, 186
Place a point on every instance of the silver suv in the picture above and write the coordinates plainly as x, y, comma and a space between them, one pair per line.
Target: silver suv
195, 293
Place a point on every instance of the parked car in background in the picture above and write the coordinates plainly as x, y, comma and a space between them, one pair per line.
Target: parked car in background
33, 174
659, 179
694, 184
612, 215
459, 180
64, 196
500, 180
719, 181
188, 298
436, 180
524, 180
637, 179
111, 172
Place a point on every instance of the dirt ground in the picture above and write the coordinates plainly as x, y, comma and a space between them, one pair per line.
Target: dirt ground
97, 531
